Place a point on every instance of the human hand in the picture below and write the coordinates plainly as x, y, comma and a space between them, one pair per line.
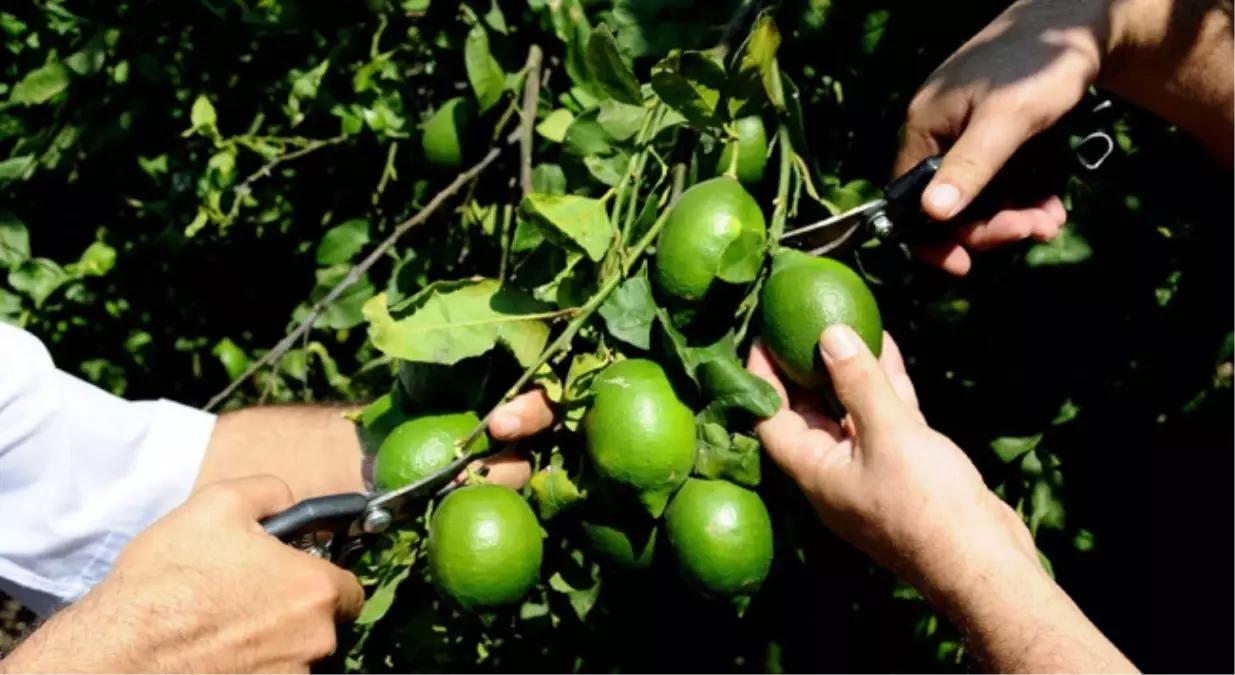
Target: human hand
1014, 79
205, 589
882, 479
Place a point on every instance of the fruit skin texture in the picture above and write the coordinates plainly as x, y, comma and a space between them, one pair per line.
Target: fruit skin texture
715, 231
485, 546
721, 535
803, 296
639, 435
752, 148
444, 137
422, 445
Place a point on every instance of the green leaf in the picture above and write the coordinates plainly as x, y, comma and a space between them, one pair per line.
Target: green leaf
483, 71
554, 126
586, 136
725, 383
691, 83
1008, 448
755, 75
41, 84
1068, 248
731, 386
873, 28
453, 320
90, 58
342, 242
383, 597
577, 392
37, 278
582, 221
608, 170
232, 358
347, 310
549, 179
97, 260
719, 457
17, 167
620, 121
14, 240
202, 116
10, 306
630, 311
606, 65
581, 599
554, 491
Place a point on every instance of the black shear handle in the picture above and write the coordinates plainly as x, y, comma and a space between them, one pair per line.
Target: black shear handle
1039, 169
330, 513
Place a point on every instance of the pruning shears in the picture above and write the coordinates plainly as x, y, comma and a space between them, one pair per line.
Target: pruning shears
1039, 169
339, 527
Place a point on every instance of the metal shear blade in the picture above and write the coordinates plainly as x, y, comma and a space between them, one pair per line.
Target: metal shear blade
832, 234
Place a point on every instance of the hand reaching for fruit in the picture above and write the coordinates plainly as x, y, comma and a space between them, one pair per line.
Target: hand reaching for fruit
911, 499
883, 479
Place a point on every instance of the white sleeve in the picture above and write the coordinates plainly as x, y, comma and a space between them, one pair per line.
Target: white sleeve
81, 472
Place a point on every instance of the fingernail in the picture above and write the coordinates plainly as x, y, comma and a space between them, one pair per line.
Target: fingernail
505, 424
840, 342
943, 199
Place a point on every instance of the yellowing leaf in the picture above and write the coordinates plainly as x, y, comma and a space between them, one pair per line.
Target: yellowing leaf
454, 320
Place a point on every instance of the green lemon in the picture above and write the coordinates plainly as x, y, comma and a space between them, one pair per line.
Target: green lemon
752, 149
485, 546
803, 296
716, 231
444, 137
721, 535
422, 445
639, 435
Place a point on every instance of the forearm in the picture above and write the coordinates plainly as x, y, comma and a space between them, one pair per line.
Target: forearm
1015, 618
1175, 59
311, 447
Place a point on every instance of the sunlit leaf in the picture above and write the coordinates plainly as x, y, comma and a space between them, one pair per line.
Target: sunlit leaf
608, 170
342, 242
553, 491
41, 84
453, 320
1067, 248
14, 240
555, 125
16, 167
202, 115
579, 221
755, 76
37, 278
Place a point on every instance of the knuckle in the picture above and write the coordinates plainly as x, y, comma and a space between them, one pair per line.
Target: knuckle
220, 497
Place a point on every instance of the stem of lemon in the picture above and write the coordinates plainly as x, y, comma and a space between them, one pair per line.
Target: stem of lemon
779, 214
562, 343
732, 170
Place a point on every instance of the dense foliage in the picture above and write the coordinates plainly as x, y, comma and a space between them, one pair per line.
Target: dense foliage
180, 183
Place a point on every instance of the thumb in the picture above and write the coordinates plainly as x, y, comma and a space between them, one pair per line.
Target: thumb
860, 381
252, 497
987, 143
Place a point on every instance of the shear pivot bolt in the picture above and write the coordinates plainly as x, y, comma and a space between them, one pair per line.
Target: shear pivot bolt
376, 521
881, 224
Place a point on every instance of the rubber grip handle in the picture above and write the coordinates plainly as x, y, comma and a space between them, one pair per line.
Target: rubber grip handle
321, 512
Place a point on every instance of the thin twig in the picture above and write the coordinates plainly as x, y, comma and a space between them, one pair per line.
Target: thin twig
243, 187
679, 183
731, 28
562, 343
357, 272
531, 101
